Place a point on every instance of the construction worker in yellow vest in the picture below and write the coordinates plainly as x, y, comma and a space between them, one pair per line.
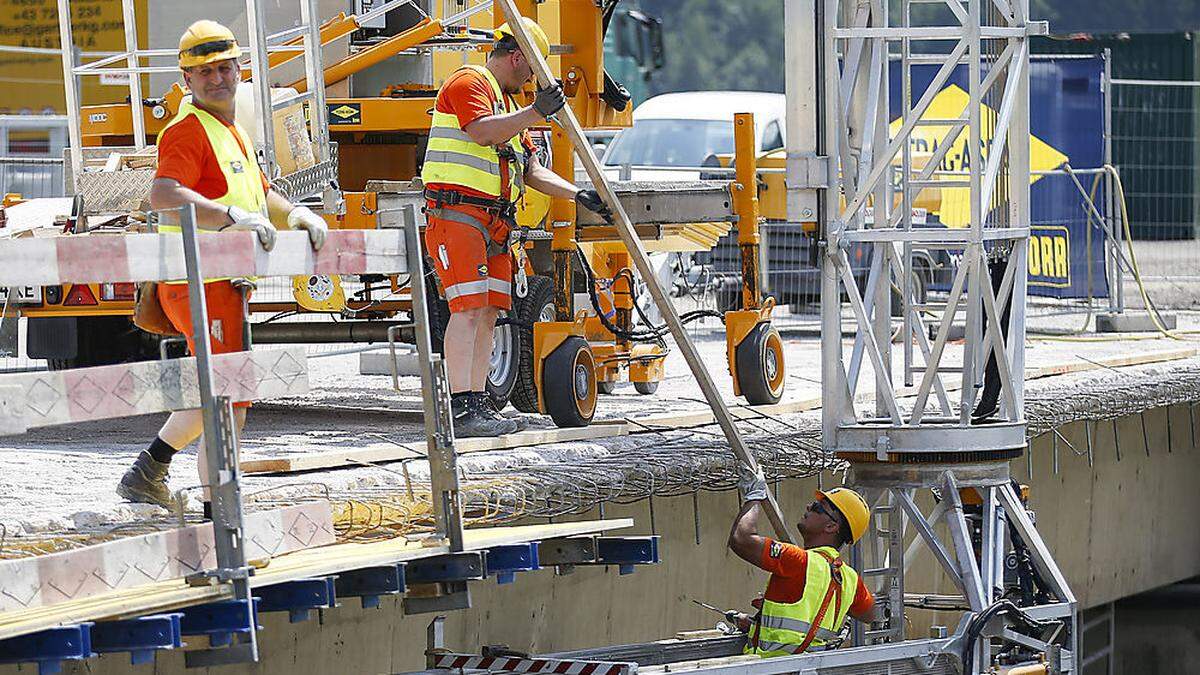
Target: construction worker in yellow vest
811, 589
478, 163
205, 158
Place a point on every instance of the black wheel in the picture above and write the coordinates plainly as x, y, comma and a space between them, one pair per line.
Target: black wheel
760, 368
569, 383
105, 340
920, 284
645, 388
438, 309
537, 305
606, 388
502, 365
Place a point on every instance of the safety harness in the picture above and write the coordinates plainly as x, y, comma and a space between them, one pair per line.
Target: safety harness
814, 630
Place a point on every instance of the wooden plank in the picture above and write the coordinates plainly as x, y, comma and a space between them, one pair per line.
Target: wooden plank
172, 594
130, 562
127, 389
157, 257
340, 458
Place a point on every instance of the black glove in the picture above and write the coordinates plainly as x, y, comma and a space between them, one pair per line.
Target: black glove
590, 200
549, 100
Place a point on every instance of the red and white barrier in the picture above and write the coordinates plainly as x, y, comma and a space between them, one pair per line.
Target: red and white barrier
40, 399
509, 664
95, 258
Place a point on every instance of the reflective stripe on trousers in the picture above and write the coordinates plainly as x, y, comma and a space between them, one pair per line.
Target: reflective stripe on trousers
491, 284
765, 646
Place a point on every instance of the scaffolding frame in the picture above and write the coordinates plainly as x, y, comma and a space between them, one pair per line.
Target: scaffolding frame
303, 39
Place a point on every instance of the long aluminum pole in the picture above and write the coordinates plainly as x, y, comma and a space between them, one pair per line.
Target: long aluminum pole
256, 22
583, 149
129, 16
70, 91
220, 448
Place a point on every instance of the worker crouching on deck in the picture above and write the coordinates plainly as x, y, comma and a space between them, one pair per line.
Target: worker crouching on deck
811, 589
479, 161
206, 159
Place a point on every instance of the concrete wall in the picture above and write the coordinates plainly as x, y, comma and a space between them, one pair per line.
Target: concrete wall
1117, 528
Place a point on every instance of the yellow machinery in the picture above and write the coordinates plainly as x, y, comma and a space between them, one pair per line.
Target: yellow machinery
379, 139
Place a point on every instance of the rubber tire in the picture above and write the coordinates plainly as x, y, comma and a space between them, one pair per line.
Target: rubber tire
606, 388
526, 312
438, 310
751, 356
645, 388
501, 392
560, 382
105, 340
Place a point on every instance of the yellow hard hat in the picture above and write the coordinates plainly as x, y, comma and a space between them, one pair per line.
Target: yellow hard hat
852, 506
535, 32
206, 42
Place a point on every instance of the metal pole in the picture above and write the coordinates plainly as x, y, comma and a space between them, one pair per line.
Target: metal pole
221, 450
70, 91
637, 253
439, 423
1115, 276
314, 75
129, 16
256, 22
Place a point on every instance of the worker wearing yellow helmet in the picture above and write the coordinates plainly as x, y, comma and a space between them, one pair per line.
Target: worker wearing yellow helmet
811, 589
479, 160
206, 159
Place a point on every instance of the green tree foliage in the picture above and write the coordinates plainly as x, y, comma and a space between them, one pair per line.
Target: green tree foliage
738, 44
720, 44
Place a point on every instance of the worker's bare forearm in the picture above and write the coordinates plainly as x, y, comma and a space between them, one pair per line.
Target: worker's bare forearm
744, 539
869, 616
549, 183
278, 208
168, 193
497, 129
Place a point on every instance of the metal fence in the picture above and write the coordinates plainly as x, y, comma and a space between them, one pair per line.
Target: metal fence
31, 155
1155, 145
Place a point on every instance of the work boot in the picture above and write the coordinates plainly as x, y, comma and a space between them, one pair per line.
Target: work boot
470, 420
146, 482
489, 409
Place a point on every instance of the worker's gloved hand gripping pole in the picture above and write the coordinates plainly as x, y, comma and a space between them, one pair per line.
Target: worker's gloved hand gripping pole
583, 149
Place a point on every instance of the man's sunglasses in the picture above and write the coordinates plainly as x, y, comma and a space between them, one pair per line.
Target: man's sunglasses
214, 47
819, 507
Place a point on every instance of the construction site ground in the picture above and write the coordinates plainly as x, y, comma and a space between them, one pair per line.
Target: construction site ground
60, 480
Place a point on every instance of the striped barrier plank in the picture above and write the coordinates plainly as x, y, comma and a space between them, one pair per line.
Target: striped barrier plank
146, 559
512, 664
95, 258
127, 389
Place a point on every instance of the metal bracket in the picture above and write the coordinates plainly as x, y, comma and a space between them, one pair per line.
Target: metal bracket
450, 596
141, 637
807, 172
450, 567
48, 648
567, 551
371, 583
627, 552
504, 562
298, 598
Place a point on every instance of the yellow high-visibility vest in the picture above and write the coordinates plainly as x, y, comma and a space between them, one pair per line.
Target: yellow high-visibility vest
243, 178
783, 626
453, 158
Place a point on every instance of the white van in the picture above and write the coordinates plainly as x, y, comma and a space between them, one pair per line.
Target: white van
674, 135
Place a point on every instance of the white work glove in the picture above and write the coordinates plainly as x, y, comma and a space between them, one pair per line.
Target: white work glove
252, 222
753, 484
302, 218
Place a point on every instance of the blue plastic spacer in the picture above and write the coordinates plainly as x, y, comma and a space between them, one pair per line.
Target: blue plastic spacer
140, 637
50, 647
627, 552
450, 567
219, 620
505, 561
298, 598
372, 582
